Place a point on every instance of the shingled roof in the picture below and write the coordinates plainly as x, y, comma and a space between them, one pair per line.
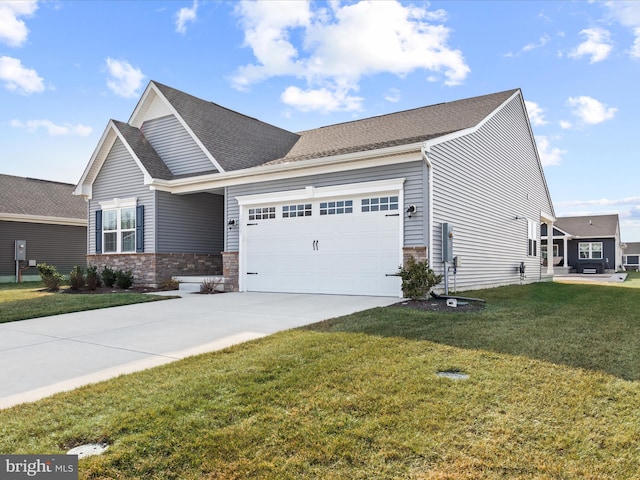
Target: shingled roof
147, 155
41, 198
235, 140
401, 128
589, 225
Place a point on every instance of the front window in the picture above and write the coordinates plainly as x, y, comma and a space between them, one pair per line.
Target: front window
543, 250
590, 250
119, 230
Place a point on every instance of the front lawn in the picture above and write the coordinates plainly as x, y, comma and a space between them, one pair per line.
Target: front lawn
20, 301
553, 393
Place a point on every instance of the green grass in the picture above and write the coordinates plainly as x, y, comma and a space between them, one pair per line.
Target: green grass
553, 393
30, 300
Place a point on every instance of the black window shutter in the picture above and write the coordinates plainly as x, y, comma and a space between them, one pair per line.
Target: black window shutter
140, 228
98, 231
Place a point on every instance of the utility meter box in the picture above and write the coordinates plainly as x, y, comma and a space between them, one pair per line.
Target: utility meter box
447, 242
21, 250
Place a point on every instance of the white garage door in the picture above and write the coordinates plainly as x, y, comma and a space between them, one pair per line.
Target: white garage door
346, 245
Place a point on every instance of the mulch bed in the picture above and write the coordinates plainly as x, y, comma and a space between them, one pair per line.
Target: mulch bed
134, 289
432, 305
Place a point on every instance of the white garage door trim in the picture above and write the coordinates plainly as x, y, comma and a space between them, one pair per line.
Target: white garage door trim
393, 186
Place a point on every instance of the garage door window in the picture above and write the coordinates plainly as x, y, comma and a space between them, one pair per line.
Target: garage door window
379, 204
290, 211
336, 208
262, 213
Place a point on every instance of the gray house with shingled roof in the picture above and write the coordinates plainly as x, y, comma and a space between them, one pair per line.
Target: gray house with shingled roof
188, 187
51, 220
586, 244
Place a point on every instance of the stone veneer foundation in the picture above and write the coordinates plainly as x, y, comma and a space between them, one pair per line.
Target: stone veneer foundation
151, 269
230, 271
419, 253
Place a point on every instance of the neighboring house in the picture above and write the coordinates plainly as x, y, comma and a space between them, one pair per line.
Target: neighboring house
586, 244
50, 220
190, 187
631, 256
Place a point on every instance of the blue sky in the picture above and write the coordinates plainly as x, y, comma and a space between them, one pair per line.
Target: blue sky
67, 67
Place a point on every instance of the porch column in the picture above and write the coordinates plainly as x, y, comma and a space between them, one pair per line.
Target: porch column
549, 247
565, 252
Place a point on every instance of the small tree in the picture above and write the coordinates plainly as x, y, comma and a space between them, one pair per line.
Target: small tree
417, 278
76, 278
50, 276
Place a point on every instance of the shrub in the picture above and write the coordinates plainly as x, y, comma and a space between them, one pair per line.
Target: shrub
50, 276
170, 284
417, 278
124, 279
108, 276
76, 278
210, 285
93, 278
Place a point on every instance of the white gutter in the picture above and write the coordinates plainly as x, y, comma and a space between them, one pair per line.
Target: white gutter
425, 156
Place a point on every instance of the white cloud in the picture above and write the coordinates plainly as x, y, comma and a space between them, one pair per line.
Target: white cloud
186, 15
19, 79
125, 80
628, 15
564, 124
393, 95
597, 45
601, 202
591, 111
531, 46
536, 113
13, 31
53, 129
549, 156
339, 44
322, 99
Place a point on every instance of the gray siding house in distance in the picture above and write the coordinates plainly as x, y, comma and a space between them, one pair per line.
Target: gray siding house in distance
586, 244
48, 218
187, 187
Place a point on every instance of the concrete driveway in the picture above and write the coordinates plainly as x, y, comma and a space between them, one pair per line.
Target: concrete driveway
43, 356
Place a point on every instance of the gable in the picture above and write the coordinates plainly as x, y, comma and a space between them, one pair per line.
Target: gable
176, 147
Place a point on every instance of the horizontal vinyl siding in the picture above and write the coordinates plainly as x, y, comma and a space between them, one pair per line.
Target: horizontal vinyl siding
413, 194
62, 246
190, 223
175, 146
482, 181
120, 177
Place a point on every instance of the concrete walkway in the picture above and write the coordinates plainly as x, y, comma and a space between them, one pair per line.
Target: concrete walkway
43, 356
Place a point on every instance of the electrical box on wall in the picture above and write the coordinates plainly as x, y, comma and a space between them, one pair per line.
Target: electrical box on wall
21, 250
447, 242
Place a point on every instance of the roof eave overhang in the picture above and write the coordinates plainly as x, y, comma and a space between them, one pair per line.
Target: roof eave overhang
299, 168
19, 217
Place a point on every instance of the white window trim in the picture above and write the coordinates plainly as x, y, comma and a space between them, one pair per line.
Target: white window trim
591, 250
117, 205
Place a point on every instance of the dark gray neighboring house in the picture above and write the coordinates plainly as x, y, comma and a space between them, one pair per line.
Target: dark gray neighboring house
586, 244
51, 220
188, 187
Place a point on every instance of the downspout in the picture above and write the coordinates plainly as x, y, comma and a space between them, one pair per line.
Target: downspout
425, 156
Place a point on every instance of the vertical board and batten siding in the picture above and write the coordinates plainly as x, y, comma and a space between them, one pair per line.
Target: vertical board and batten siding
190, 223
482, 181
413, 172
63, 246
120, 177
175, 146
